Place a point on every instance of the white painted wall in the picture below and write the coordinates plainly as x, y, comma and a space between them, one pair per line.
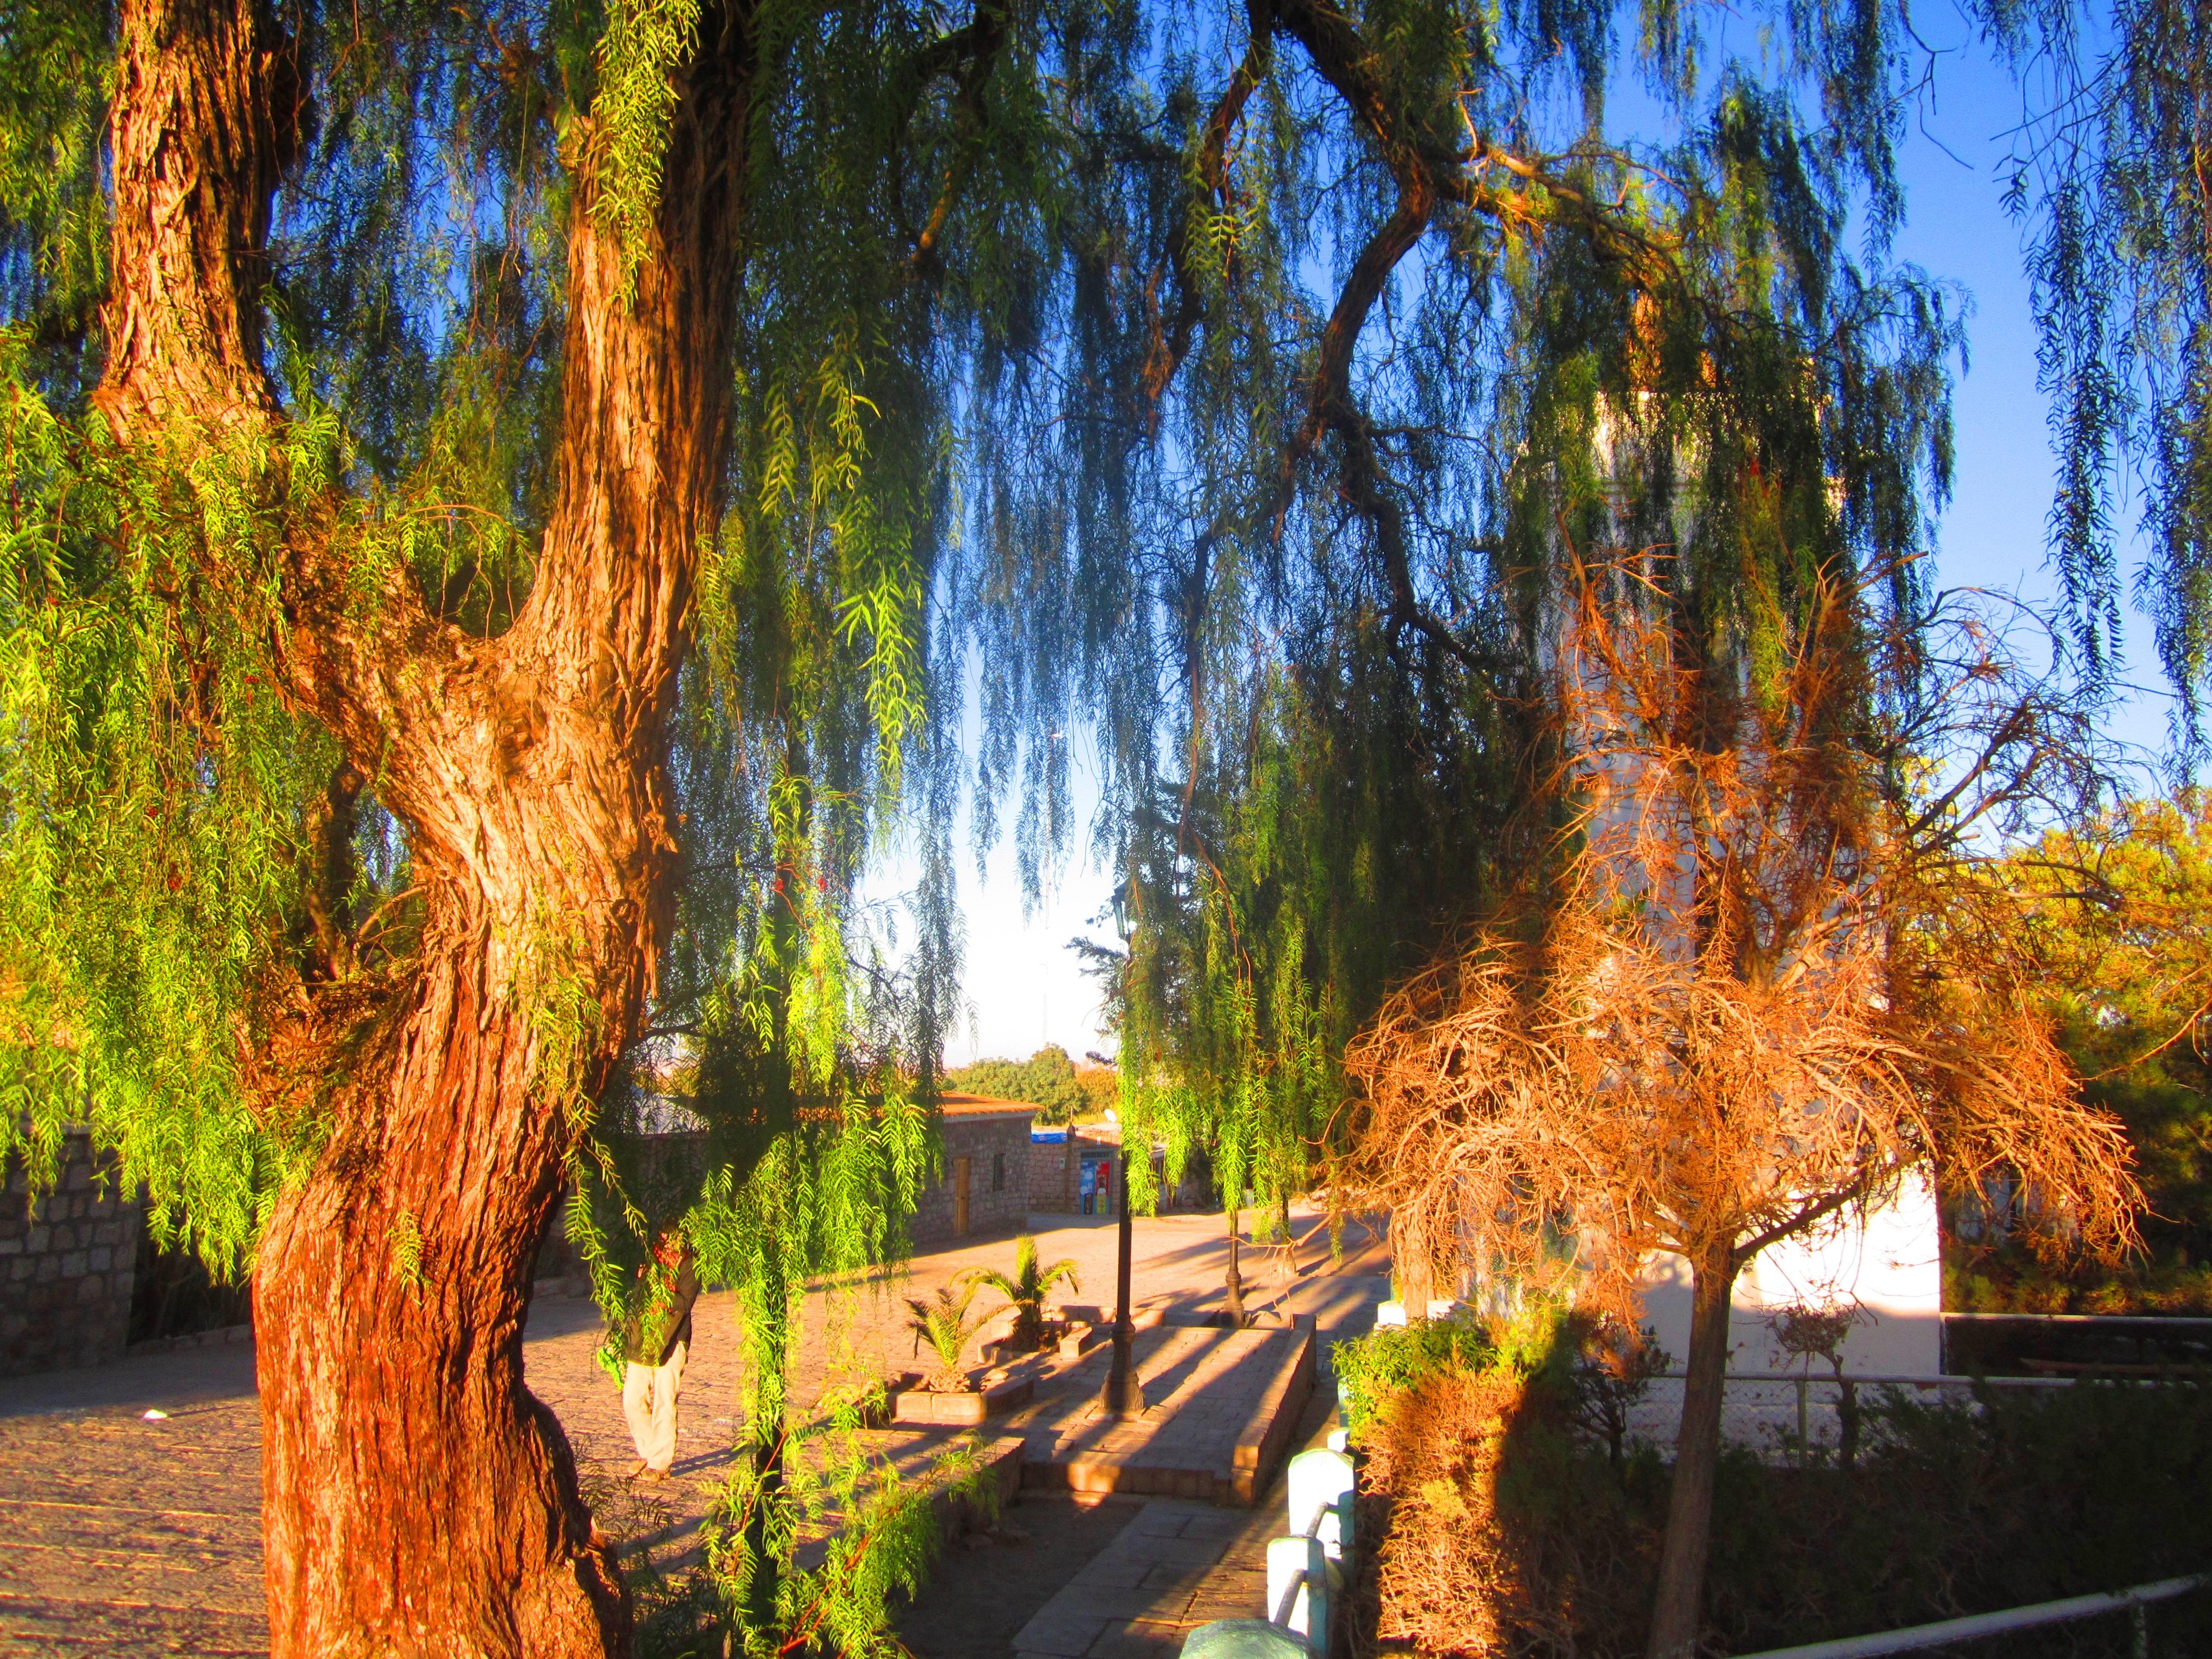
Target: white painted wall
1890, 1264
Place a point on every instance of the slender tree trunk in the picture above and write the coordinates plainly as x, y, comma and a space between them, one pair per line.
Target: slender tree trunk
1416, 1283
417, 1498
767, 1409
1232, 1302
1676, 1615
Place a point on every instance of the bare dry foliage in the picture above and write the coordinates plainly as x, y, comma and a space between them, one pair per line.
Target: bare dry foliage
1448, 1585
1488, 1547
1711, 1023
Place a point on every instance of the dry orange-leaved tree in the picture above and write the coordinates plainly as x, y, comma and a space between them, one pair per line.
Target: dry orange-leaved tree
1709, 1023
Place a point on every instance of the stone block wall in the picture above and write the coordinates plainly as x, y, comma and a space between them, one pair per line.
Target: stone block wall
66, 1267
1056, 1181
1056, 1171
997, 1147
1052, 1174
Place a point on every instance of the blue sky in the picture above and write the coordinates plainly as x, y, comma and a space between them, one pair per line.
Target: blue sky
1993, 534
1021, 982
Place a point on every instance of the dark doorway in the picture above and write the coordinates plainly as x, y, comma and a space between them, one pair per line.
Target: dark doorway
173, 1294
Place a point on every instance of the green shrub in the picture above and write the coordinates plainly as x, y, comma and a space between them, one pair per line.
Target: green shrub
1392, 1358
2027, 1495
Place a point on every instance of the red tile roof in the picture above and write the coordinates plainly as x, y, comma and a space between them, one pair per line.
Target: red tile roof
985, 1106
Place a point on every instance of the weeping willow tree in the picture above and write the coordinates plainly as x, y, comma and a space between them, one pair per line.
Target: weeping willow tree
2107, 176
498, 498
475, 477
1505, 321
1443, 318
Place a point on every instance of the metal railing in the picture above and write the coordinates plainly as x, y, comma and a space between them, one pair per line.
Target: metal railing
1780, 1410
2132, 1602
2185, 1321
1305, 1570
1306, 1567
1285, 1607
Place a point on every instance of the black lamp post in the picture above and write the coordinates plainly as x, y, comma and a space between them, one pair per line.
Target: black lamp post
1125, 1395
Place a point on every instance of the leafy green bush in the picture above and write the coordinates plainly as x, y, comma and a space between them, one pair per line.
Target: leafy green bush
1392, 1358
1586, 1364
2014, 1280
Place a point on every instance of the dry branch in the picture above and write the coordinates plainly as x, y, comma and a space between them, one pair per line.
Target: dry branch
1711, 1021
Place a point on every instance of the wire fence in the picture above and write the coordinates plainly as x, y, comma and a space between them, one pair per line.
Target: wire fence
1789, 1413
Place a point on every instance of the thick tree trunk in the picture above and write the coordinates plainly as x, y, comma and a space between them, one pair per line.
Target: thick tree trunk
417, 1499
1676, 1613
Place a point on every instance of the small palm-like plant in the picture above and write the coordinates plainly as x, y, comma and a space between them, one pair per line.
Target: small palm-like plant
1026, 1290
942, 1322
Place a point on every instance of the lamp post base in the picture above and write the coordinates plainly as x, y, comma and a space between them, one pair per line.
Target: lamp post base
1122, 1396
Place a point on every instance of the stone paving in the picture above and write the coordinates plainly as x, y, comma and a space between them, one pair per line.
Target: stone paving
136, 1537
1160, 1576
979, 1594
1205, 1389
128, 1536
1177, 1565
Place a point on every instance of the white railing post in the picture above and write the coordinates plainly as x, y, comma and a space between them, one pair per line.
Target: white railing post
1297, 1590
1320, 1486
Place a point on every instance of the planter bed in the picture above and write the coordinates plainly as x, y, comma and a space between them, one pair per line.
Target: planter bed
912, 1404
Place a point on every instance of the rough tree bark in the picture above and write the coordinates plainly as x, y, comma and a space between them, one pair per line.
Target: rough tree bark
417, 1498
1678, 1608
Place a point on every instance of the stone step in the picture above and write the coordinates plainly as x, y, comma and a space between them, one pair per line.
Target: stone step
1220, 1408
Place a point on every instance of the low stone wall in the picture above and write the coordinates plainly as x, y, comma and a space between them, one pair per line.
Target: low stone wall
66, 1267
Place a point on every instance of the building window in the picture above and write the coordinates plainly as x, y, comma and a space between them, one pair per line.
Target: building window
998, 1172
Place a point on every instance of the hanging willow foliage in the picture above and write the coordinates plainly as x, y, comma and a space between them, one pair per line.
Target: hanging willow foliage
501, 502
1540, 327
2108, 178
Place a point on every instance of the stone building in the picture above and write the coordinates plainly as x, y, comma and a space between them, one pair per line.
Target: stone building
1051, 1170
1072, 1169
67, 1264
1076, 1171
985, 1187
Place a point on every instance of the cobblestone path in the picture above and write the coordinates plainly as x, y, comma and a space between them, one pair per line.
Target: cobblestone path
135, 1537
